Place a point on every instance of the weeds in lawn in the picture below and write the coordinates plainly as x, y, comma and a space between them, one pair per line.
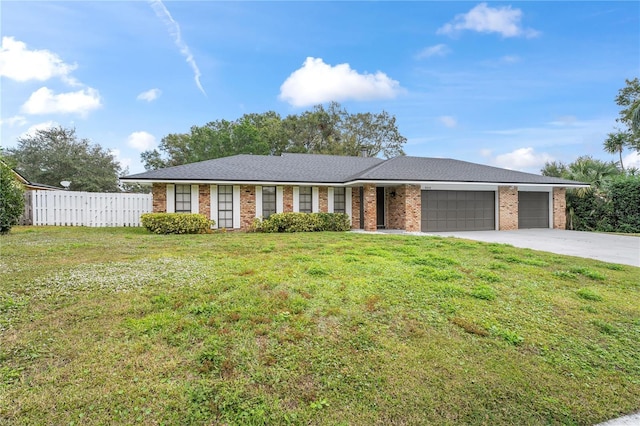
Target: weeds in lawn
589, 294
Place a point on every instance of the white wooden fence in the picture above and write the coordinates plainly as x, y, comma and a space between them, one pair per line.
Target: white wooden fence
70, 208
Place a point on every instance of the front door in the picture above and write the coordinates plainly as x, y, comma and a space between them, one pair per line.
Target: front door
380, 207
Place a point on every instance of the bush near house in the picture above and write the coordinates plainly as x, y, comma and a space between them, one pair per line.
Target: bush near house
176, 223
613, 208
11, 199
303, 222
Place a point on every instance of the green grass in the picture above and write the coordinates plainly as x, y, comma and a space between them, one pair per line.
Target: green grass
103, 326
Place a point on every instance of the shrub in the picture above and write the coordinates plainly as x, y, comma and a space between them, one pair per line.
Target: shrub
176, 223
302, 222
11, 199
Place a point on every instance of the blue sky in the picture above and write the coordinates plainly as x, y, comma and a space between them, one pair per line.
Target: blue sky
511, 84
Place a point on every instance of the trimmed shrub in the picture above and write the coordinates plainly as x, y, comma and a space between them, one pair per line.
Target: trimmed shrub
338, 222
303, 222
176, 223
11, 199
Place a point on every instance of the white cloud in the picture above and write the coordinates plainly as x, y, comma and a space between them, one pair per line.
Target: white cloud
150, 95
31, 131
448, 121
484, 19
174, 31
44, 101
21, 64
141, 141
522, 158
437, 50
317, 82
631, 160
16, 120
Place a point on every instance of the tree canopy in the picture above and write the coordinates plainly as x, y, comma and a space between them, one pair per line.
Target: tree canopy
628, 135
322, 130
56, 154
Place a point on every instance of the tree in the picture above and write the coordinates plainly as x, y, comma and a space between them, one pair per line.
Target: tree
11, 199
629, 117
331, 130
56, 154
615, 143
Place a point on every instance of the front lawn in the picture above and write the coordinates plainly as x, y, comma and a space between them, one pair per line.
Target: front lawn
101, 326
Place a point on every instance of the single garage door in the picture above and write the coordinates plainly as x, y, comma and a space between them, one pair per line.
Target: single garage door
533, 210
458, 211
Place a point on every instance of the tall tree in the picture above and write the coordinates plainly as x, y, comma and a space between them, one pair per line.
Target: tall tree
56, 154
628, 99
615, 143
330, 130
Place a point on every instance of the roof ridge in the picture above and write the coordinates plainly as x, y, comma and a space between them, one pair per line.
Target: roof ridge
369, 169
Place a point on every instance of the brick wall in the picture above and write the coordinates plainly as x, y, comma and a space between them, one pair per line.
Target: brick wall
508, 205
355, 208
247, 206
204, 200
396, 208
287, 198
559, 208
369, 202
159, 193
404, 208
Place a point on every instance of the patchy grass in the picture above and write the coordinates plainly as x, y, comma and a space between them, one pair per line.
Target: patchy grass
101, 326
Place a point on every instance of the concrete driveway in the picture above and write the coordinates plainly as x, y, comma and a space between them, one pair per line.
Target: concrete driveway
621, 249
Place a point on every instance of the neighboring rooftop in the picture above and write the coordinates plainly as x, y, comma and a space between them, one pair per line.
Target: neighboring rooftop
313, 168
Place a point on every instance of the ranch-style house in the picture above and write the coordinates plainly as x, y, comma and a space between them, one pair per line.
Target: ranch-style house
405, 193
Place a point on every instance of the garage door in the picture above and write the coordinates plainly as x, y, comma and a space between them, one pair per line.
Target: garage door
533, 210
458, 211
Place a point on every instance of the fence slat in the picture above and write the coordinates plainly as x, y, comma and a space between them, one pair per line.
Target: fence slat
74, 208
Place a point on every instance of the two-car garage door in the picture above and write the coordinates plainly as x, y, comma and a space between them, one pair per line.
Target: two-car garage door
458, 211
476, 210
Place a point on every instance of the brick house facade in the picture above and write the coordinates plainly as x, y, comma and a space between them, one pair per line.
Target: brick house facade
406, 193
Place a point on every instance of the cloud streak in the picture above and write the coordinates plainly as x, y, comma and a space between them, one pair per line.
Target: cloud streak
174, 30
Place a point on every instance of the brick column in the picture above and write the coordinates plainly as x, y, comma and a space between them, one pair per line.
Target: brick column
413, 208
323, 197
159, 194
287, 198
355, 207
204, 200
559, 208
247, 206
369, 207
508, 204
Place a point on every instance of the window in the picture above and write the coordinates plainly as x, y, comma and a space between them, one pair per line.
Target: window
339, 200
268, 201
306, 203
225, 206
183, 198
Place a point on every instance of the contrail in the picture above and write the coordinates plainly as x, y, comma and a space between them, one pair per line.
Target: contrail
174, 31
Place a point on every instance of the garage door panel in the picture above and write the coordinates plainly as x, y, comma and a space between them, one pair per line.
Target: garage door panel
458, 210
533, 210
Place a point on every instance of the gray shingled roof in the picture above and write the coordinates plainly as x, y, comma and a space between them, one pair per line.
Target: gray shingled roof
448, 170
263, 168
314, 168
